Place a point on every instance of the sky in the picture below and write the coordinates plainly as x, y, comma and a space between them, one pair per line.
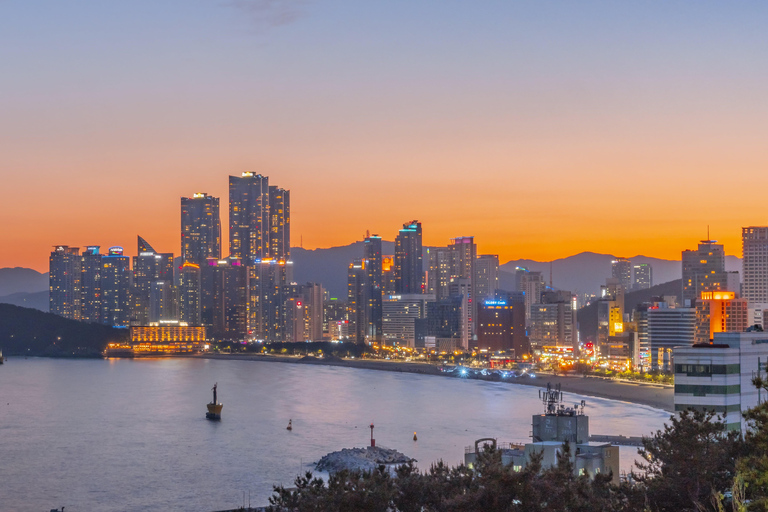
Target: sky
542, 128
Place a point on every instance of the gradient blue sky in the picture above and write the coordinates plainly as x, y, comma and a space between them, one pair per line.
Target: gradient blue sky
541, 128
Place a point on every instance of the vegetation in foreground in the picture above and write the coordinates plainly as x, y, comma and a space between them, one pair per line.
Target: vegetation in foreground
694, 464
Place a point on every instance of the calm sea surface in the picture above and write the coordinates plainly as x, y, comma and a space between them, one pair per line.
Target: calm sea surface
104, 435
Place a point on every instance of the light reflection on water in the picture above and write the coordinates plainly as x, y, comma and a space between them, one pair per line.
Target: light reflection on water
131, 434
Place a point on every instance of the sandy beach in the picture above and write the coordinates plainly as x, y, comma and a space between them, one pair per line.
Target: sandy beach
653, 395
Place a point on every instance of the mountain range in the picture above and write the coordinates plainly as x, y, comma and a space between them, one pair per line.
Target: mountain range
583, 272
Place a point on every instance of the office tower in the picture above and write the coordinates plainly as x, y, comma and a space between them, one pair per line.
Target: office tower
704, 271
643, 277
279, 223
228, 279
189, 293
553, 321
621, 269
267, 280
356, 279
486, 276
64, 282
409, 269
388, 278
149, 266
755, 264
115, 288
501, 327
400, 314
719, 312
200, 228
249, 220
90, 285
373, 287
669, 327
444, 323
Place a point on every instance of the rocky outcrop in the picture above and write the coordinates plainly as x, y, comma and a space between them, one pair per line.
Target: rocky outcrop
363, 459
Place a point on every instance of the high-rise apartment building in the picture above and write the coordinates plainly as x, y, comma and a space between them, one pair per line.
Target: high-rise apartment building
90, 285
373, 287
267, 287
621, 269
356, 303
115, 288
409, 272
190, 294
200, 228
532, 284
400, 314
388, 277
501, 326
704, 271
486, 276
279, 223
643, 278
149, 266
754, 262
64, 282
229, 295
249, 219
553, 321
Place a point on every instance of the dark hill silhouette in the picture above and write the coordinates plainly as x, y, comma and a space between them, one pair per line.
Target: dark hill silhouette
22, 280
587, 316
26, 331
36, 300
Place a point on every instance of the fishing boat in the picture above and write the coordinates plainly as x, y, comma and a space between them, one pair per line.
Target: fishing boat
214, 408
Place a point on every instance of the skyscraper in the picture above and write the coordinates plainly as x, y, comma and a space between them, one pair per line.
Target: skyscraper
200, 228
373, 287
115, 288
704, 271
64, 282
356, 304
408, 259
249, 220
148, 266
643, 277
267, 280
189, 294
90, 285
755, 264
279, 223
486, 276
621, 269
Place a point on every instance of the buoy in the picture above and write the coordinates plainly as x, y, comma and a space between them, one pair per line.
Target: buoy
290, 425
414, 437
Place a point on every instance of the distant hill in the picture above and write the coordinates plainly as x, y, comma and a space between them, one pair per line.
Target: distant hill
22, 280
585, 272
26, 331
587, 316
37, 300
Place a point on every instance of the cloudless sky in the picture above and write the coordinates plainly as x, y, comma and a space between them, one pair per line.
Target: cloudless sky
543, 128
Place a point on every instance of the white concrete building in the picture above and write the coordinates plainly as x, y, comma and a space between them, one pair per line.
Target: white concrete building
718, 377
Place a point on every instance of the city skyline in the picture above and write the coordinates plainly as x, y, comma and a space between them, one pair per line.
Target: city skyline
532, 114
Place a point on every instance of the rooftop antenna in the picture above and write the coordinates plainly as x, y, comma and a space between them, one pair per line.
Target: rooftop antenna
550, 274
367, 234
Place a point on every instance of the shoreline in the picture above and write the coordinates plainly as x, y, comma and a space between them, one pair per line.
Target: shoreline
653, 395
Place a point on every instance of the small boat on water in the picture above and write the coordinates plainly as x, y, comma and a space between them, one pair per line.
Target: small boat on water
290, 425
214, 408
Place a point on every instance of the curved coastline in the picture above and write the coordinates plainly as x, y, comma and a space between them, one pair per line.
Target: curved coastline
653, 395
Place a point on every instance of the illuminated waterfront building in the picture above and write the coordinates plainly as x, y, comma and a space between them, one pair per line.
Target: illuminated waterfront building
643, 277
755, 264
409, 270
249, 220
719, 312
162, 301
90, 285
553, 321
486, 276
669, 327
446, 265
501, 327
164, 332
267, 279
200, 228
115, 288
228, 279
64, 282
190, 294
621, 269
335, 311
